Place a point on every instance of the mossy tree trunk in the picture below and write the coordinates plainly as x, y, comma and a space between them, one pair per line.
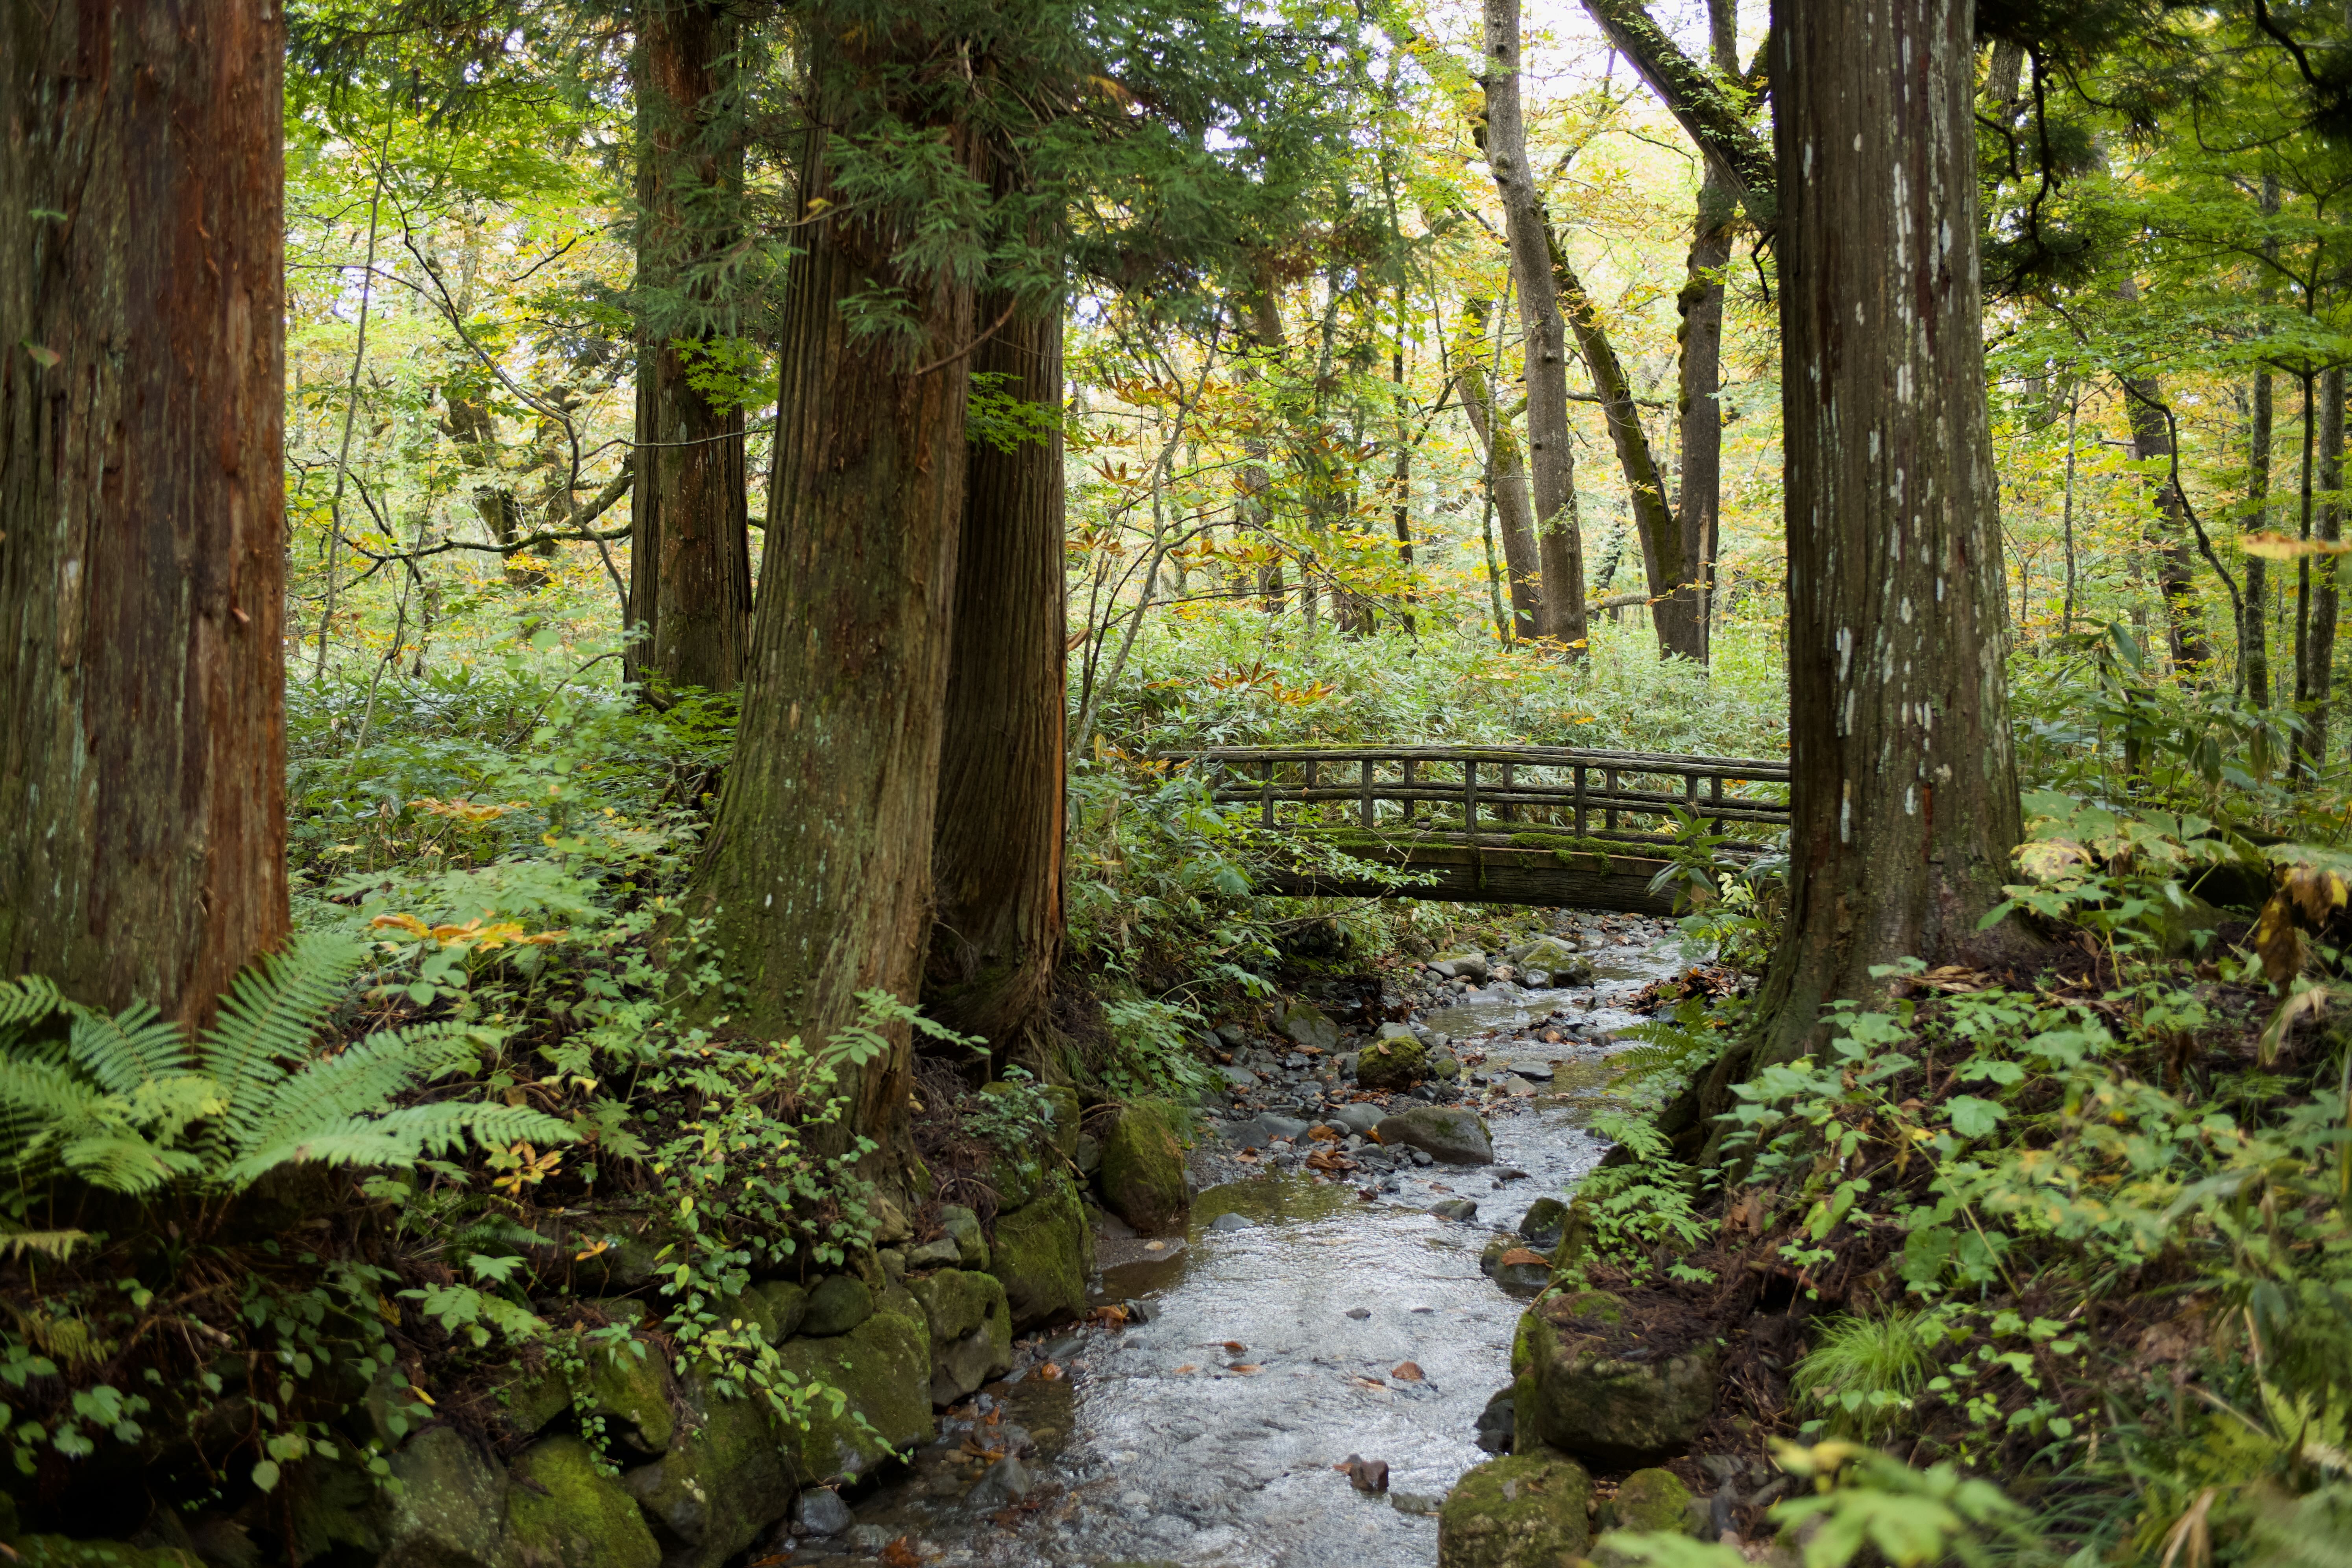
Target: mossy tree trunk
818, 866
143, 761
689, 538
1905, 791
1699, 503
1507, 478
996, 842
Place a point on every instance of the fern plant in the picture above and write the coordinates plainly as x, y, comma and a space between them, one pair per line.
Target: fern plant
130, 1103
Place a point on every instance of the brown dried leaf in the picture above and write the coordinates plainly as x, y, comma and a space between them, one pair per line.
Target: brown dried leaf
2278, 942
1520, 1255
1405, 1371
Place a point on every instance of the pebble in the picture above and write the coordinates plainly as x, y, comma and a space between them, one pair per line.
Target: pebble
1359, 1313
869, 1538
821, 1511
1007, 1482
1229, 1221
1456, 1209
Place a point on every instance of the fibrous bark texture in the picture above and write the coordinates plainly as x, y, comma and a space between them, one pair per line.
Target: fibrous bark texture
996, 856
142, 756
1551, 465
1905, 791
818, 867
690, 540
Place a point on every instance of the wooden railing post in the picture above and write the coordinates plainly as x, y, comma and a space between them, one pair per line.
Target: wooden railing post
1579, 801
1508, 812
1368, 812
1265, 795
1714, 794
1470, 798
1608, 788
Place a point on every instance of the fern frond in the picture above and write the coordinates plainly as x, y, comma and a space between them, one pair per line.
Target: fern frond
47, 1094
331, 1090
272, 1014
57, 1243
354, 1141
134, 1045
124, 1162
28, 1000
499, 1124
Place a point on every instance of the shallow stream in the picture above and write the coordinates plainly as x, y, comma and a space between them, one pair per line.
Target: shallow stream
1329, 1326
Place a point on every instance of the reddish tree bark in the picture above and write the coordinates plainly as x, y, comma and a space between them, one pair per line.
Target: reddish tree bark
689, 540
142, 763
996, 843
818, 866
1903, 787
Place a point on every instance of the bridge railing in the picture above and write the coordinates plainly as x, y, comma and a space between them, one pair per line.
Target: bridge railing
1479, 790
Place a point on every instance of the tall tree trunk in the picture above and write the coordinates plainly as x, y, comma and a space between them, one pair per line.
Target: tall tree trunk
689, 536
996, 843
1506, 480
1905, 791
818, 867
1673, 608
2317, 686
1263, 330
1552, 466
2175, 561
143, 762
1698, 507
2253, 637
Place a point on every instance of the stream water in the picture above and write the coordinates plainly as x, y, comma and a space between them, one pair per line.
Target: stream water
1329, 1326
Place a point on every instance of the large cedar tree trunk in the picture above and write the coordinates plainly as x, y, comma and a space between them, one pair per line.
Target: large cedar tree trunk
142, 758
689, 540
1551, 465
818, 866
1905, 792
996, 846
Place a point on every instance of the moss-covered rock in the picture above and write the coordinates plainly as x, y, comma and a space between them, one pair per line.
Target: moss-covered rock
451, 1510
1142, 1179
1447, 1132
1525, 1510
1649, 1500
563, 1513
962, 1227
725, 1480
1043, 1252
1573, 1394
1015, 1178
1064, 1101
1398, 1062
972, 1332
884, 1367
1310, 1025
837, 1305
57, 1552
1564, 965
776, 1308
629, 1387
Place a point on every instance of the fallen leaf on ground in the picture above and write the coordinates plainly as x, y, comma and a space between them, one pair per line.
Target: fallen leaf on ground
1368, 1381
1405, 1371
901, 1553
1324, 1132
1328, 1160
1235, 1346
1439, 1187
1050, 1372
1246, 1367
1519, 1255
1367, 1475
1188, 1367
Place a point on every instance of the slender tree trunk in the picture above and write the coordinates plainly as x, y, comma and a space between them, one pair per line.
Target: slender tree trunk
1552, 466
689, 538
1507, 481
2253, 637
143, 758
2328, 525
996, 843
1264, 330
818, 867
1698, 507
2175, 561
1672, 607
2303, 562
1904, 792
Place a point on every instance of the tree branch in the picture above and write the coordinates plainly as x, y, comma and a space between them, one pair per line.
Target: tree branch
1710, 109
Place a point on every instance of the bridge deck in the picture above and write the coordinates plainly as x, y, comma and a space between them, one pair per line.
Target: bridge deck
1526, 825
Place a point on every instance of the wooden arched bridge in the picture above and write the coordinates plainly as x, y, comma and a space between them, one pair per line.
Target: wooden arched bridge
1503, 824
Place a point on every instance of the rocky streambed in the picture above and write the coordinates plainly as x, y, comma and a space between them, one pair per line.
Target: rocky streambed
1325, 1302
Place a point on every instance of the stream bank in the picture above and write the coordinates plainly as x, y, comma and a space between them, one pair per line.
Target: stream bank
1326, 1300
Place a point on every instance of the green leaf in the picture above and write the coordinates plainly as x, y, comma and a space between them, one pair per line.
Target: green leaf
1973, 1117
265, 1475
